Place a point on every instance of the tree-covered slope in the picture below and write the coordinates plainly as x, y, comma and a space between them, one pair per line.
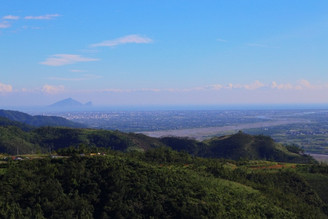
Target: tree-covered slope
239, 146
5, 122
13, 140
258, 147
160, 183
38, 121
16, 137
47, 139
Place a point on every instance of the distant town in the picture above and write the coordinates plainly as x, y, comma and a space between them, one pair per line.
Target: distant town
306, 128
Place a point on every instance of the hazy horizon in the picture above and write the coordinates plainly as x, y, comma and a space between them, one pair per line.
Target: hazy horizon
140, 53
165, 107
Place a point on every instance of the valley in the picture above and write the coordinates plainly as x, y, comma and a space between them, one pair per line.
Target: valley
307, 128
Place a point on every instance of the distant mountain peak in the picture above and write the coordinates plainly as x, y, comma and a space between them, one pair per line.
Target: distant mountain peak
88, 103
70, 102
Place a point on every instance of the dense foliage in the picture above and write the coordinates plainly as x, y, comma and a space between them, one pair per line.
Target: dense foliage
14, 140
240, 146
160, 183
4, 122
154, 178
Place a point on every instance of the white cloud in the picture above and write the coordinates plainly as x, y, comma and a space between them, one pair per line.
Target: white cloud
85, 77
254, 86
5, 88
66, 59
51, 89
124, 40
275, 85
28, 90
10, 17
304, 84
300, 85
115, 90
216, 86
42, 17
4, 24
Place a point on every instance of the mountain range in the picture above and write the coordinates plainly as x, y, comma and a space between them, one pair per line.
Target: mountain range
21, 119
16, 133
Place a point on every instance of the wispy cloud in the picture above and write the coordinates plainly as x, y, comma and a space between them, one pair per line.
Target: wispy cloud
286, 86
221, 40
5, 88
42, 17
52, 89
253, 86
115, 90
300, 85
7, 20
66, 59
124, 40
257, 45
261, 45
4, 24
25, 27
77, 70
215, 87
10, 17
84, 78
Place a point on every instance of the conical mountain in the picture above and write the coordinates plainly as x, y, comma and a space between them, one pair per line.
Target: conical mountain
69, 102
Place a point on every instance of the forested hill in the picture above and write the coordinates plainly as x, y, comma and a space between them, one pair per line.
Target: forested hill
160, 183
14, 139
240, 146
38, 121
4, 122
111, 174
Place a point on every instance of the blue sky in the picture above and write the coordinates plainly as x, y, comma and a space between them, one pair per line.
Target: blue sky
163, 52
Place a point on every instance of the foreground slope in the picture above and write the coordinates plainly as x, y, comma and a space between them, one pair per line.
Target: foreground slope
159, 183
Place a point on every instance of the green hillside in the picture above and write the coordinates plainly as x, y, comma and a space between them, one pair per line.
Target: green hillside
160, 183
239, 146
14, 138
259, 147
4, 122
151, 180
38, 121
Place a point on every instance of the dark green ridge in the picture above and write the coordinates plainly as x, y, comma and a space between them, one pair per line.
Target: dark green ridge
38, 121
